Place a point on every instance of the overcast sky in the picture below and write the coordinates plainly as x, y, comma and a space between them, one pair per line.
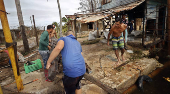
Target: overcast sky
45, 12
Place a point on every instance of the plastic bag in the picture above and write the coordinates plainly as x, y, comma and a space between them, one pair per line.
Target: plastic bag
141, 79
91, 36
106, 35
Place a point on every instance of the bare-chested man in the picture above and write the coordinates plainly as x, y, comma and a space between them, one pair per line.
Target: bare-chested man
118, 39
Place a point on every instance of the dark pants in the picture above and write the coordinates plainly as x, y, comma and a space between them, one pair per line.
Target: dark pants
71, 84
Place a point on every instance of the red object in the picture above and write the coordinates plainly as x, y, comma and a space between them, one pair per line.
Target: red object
6, 52
46, 75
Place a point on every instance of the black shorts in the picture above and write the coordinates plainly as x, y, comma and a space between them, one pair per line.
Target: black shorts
71, 84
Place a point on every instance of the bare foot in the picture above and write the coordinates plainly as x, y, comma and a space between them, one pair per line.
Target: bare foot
118, 62
123, 59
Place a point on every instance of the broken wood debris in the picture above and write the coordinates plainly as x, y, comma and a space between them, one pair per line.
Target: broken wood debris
100, 84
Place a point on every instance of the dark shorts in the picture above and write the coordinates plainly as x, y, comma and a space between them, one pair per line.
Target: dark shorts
71, 84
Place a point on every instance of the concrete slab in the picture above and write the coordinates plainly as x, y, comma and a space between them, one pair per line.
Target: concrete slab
128, 76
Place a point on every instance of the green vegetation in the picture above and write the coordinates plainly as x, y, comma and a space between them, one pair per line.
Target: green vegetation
64, 27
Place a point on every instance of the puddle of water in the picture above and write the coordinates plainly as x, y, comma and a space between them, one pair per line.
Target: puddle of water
159, 85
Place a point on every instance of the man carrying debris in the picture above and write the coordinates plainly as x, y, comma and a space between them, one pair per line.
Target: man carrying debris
118, 39
44, 47
73, 62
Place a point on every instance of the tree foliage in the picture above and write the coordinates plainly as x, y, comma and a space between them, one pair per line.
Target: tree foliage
64, 27
89, 5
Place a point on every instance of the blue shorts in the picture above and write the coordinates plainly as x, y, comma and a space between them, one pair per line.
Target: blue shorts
45, 56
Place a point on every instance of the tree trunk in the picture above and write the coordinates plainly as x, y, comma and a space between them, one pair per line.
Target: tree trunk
92, 6
60, 17
22, 27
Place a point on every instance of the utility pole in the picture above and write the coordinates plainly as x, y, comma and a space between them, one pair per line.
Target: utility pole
35, 30
22, 26
60, 17
9, 41
168, 2
32, 26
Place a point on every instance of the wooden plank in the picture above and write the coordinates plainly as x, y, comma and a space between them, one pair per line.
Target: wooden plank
100, 84
152, 44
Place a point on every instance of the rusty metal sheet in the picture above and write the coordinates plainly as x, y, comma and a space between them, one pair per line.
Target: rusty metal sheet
127, 7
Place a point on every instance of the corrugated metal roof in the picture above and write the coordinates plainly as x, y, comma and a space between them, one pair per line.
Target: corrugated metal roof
88, 18
117, 3
127, 7
91, 18
84, 18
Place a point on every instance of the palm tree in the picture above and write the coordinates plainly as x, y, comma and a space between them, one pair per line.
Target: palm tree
65, 20
60, 17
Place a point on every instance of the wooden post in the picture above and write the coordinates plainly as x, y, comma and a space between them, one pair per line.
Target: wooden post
103, 25
165, 23
97, 29
157, 20
168, 26
75, 27
88, 27
143, 33
68, 27
93, 27
144, 23
36, 35
22, 26
8, 39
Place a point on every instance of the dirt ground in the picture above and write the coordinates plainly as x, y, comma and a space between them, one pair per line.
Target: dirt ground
99, 57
